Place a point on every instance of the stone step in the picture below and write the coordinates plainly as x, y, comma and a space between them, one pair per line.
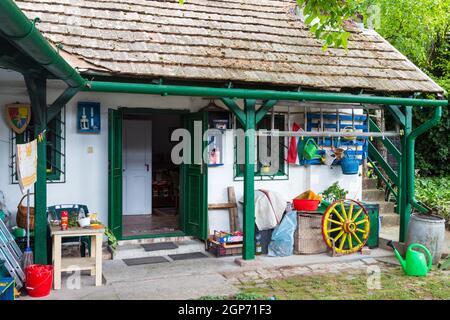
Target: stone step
390, 220
373, 195
155, 240
369, 183
131, 251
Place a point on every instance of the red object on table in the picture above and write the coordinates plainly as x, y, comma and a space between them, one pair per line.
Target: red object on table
64, 220
306, 205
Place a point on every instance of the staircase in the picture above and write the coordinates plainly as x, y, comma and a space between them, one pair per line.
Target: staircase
130, 249
372, 194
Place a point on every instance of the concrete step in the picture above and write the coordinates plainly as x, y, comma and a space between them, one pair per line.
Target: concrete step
130, 251
389, 220
369, 183
385, 207
373, 195
154, 240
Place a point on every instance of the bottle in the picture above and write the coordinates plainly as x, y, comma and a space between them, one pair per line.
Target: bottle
258, 245
64, 220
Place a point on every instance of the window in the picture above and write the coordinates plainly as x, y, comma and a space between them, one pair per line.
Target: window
56, 145
283, 169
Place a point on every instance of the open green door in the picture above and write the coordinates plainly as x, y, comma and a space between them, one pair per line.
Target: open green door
194, 184
115, 172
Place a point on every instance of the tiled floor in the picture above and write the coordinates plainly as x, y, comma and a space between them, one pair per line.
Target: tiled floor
134, 225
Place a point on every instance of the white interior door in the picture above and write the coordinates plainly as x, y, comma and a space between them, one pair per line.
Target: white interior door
137, 167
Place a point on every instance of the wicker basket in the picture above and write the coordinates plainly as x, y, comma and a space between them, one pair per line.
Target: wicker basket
21, 218
308, 236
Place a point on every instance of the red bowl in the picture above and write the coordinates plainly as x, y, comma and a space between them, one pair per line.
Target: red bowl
306, 205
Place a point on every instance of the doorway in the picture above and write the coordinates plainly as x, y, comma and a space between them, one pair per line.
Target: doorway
150, 180
177, 203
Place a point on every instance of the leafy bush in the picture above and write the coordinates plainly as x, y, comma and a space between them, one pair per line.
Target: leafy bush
435, 193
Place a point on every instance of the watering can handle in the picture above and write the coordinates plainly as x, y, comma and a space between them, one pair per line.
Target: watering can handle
430, 258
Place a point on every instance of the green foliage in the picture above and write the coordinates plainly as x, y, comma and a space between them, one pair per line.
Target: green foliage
326, 19
112, 240
334, 192
435, 193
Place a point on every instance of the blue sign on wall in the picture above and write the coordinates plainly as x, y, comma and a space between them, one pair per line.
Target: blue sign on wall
88, 117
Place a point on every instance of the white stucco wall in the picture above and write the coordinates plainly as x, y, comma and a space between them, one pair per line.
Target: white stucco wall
87, 173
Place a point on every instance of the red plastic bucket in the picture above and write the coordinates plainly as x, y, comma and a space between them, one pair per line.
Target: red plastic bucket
39, 280
306, 205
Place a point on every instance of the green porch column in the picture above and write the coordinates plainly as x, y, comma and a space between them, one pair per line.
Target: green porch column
405, 208
248, 252
36, 86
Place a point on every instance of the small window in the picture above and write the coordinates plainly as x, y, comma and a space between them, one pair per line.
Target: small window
56, 146
283, 169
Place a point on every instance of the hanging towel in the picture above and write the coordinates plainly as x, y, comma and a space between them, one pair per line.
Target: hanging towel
296, 146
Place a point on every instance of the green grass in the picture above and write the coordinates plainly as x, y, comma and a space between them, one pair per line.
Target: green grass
349, 286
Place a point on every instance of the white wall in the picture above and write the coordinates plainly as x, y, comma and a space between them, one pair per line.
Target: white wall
87, 173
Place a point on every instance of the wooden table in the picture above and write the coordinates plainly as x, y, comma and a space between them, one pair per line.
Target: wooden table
92, 263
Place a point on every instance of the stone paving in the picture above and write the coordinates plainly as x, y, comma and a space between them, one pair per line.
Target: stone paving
192, 279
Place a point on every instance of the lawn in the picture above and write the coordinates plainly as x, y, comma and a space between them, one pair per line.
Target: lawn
394, 285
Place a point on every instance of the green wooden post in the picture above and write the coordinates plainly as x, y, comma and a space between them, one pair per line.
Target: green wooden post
248, 252
36, 86
404, 203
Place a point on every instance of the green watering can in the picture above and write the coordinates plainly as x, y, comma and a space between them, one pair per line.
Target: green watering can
415, 263
310, 150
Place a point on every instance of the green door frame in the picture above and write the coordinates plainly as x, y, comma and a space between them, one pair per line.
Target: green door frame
113, 215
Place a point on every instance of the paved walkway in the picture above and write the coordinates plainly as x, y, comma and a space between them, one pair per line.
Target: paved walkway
191, 279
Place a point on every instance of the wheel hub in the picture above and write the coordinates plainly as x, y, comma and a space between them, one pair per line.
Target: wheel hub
349, 226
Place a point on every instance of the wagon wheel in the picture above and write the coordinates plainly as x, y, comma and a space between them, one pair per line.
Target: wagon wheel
347, 223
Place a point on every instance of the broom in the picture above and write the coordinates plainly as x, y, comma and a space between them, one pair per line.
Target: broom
28, 257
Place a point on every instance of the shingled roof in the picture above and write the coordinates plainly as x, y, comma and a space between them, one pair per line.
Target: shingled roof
253, 41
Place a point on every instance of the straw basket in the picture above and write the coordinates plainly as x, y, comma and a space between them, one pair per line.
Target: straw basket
21, 218
308, 236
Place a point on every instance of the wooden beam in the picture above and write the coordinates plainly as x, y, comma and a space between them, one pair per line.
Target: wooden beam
267, 105
237, 111
219, 206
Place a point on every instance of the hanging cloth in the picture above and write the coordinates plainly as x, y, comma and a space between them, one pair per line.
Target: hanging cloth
296, 146
27, 165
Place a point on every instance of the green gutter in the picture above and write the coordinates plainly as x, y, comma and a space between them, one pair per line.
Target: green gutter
19, 30
410, 157
142, 88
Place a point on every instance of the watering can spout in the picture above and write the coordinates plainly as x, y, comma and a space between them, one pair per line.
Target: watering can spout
398, 255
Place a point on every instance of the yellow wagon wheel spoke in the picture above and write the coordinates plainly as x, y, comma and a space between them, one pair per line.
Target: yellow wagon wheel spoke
344, 213
350, 242
350, 211
341, 245
356, 237
357, 214
338, 215
359, 222
338, 236
334, 229
335, 222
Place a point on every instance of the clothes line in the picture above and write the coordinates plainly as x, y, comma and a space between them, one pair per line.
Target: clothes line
275, 133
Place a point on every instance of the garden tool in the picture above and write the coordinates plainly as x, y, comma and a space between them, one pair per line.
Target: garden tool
415, 263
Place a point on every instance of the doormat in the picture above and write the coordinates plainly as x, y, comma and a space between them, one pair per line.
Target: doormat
159, 246
146, 260
187, 256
